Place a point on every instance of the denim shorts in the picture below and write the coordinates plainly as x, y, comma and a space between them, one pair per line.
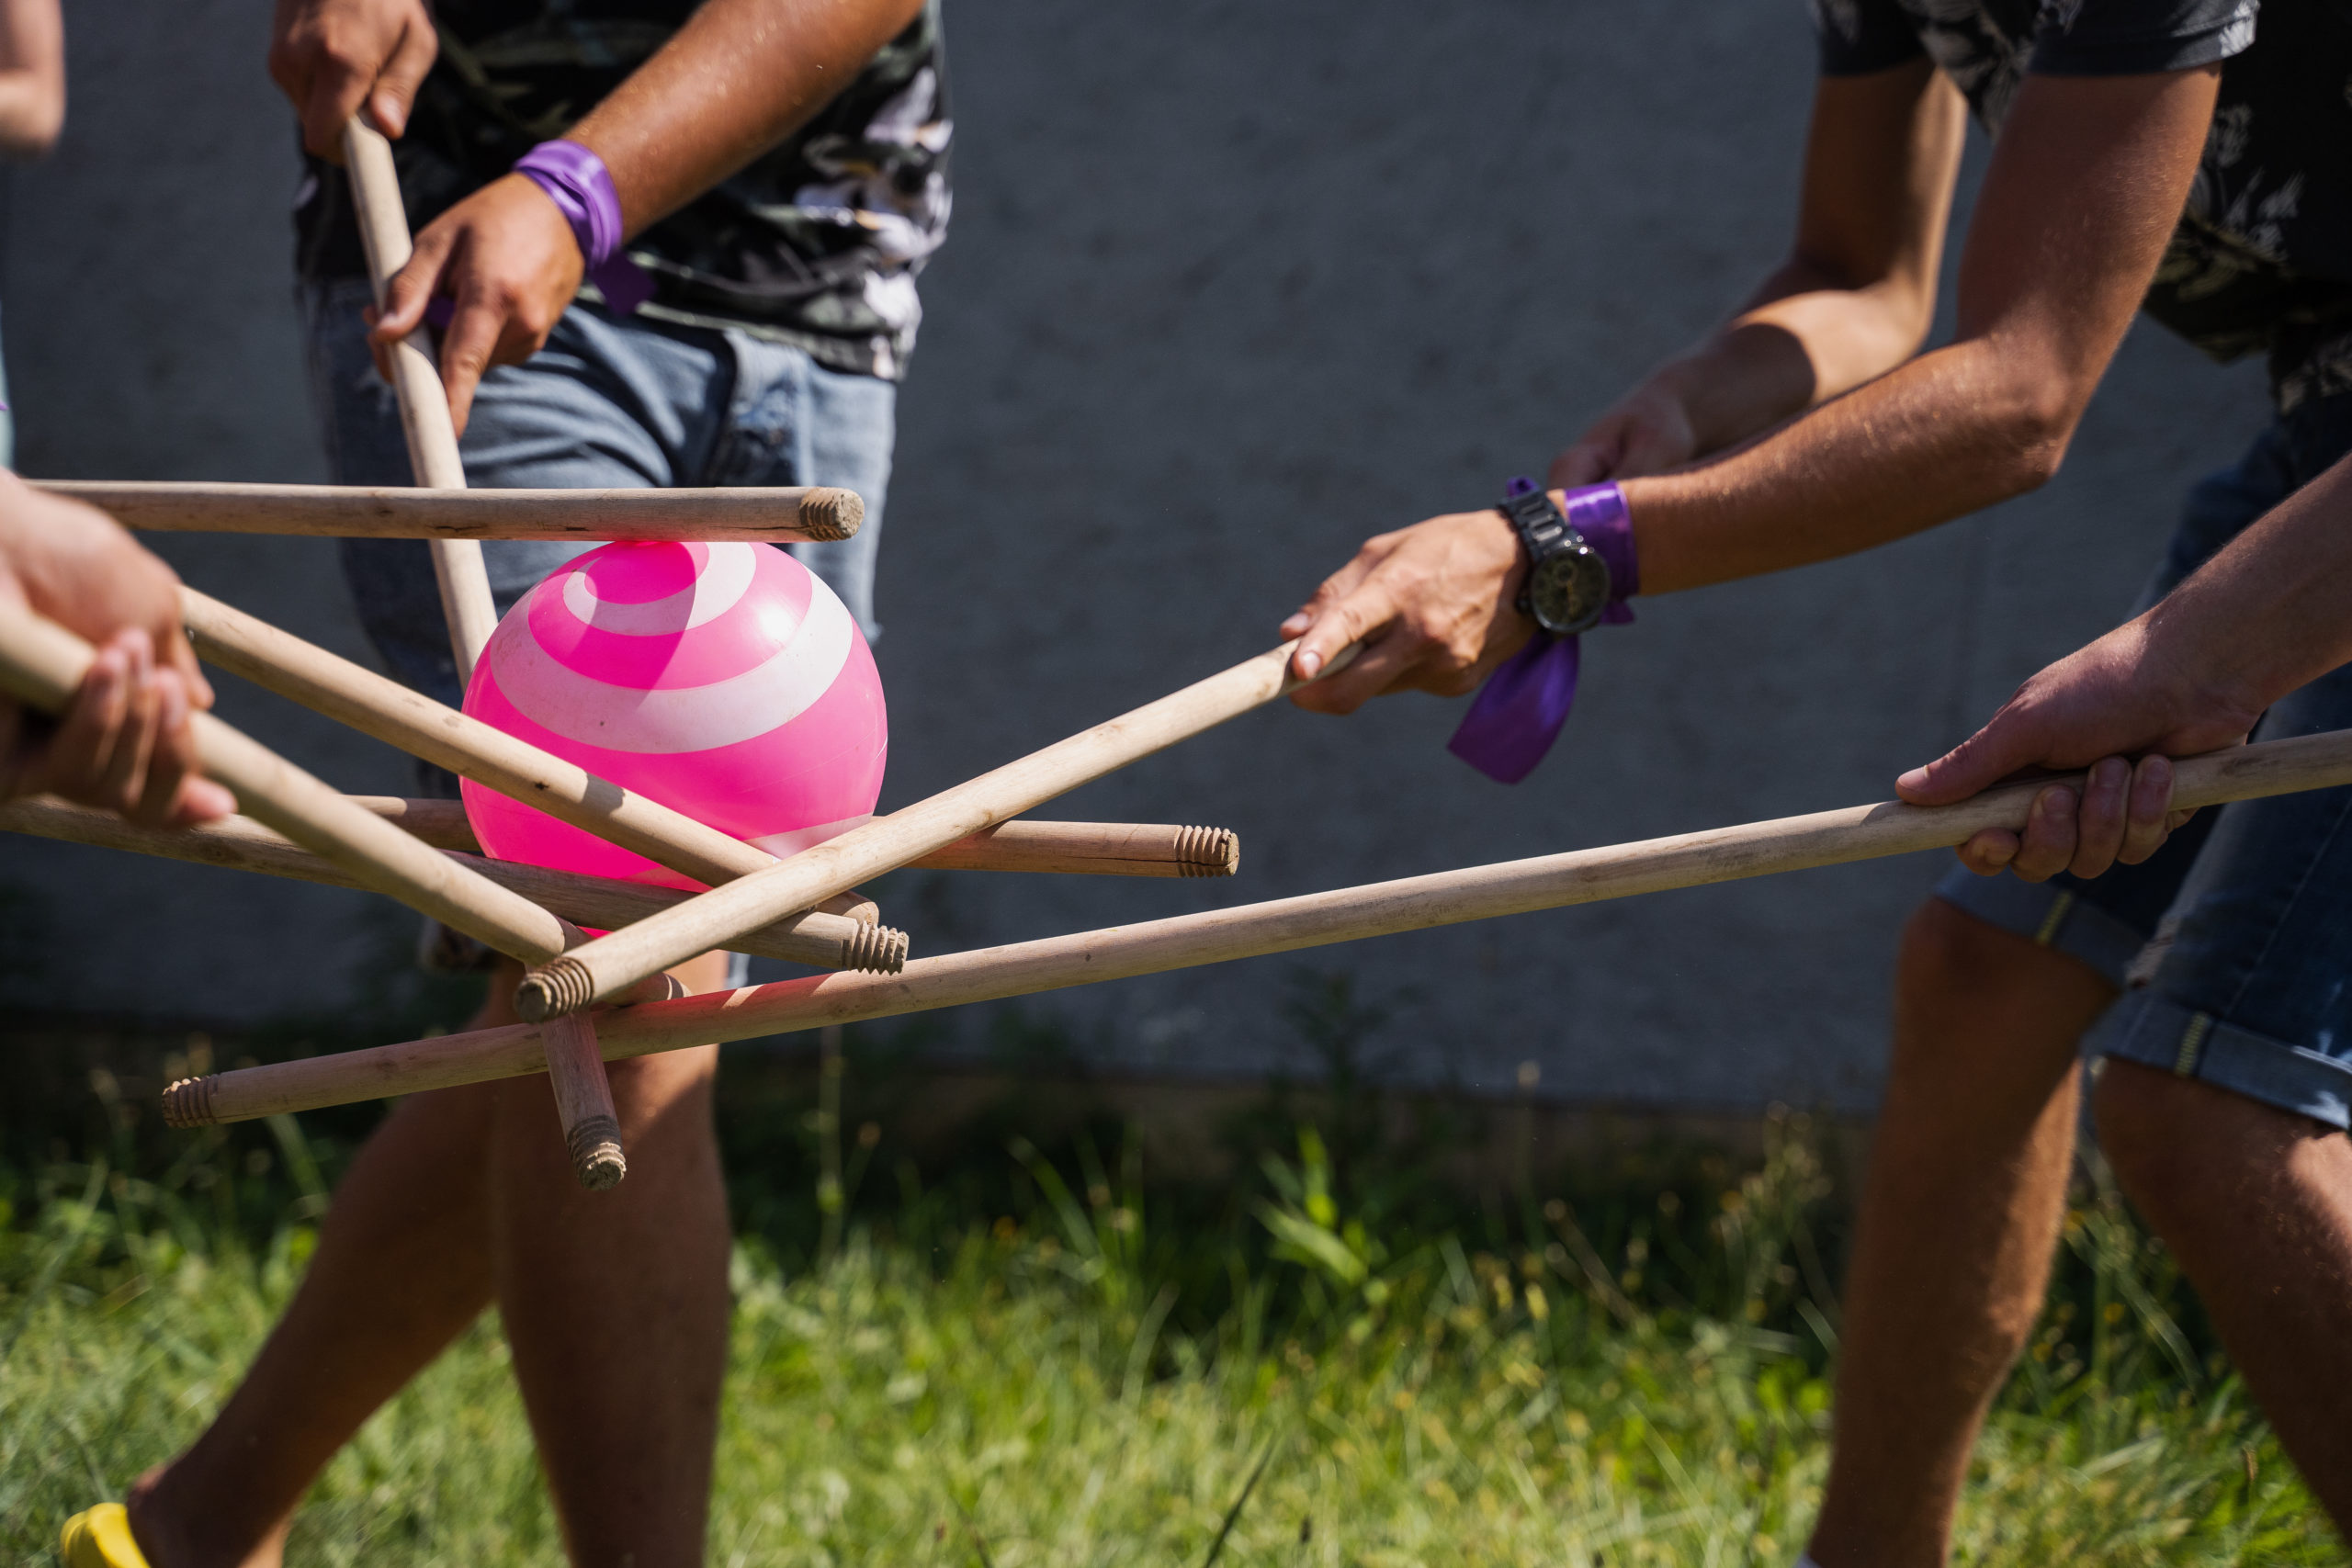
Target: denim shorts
610, 403
2232, 944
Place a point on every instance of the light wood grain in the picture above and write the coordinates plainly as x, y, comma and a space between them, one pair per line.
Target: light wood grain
845, 934
1082, 849
583, 1103
432, 457
1093, 849
1216, 936
43, 663
777, 514
607, 965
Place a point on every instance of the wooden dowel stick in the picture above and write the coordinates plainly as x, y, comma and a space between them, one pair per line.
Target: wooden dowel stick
1093, 849
845, 935
777, 514
42, 663
416, 381
607, 965
1081, 848
1216, 936
583, 1104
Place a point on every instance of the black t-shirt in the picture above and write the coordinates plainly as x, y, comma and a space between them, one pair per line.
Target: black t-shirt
816, 243
2262, 258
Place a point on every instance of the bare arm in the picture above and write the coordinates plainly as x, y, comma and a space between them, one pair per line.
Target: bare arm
738, 77
32, 77
2085, 189
2083, 194
1854, 299
2270, 613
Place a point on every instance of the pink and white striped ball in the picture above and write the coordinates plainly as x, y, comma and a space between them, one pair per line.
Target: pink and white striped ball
724, 680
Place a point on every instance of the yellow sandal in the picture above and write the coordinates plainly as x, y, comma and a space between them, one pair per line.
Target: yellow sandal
100, 1538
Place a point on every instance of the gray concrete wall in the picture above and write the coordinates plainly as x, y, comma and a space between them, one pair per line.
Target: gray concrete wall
1229, 287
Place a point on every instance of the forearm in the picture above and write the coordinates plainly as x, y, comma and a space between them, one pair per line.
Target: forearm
2086, 186
1799, 342
1857, 294
1943, 435
738, 77
2273, 610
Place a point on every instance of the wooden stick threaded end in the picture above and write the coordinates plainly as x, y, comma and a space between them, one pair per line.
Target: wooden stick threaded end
877, 948
596, 1157
558, 987
1208, 851
188, 1102
828, 513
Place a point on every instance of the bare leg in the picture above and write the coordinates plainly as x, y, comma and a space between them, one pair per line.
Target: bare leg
410, 1255
403, 1267
1960, 1213
616, 1306
2256, 1203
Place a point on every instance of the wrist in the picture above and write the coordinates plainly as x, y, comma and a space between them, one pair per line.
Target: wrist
2205, 672
576, 180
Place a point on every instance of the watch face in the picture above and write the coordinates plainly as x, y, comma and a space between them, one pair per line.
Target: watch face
1568, 591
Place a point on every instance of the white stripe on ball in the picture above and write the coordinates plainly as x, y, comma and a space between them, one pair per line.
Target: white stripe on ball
681, 718
725, 578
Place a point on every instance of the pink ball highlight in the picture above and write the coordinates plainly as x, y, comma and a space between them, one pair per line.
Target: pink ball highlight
724, 680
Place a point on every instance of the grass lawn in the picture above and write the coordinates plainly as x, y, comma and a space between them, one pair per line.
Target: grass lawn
1062, 1364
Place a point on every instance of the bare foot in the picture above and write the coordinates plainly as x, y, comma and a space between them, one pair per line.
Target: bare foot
171, 1534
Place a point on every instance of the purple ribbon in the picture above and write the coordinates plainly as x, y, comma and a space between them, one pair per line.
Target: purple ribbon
1518, 712
581, 188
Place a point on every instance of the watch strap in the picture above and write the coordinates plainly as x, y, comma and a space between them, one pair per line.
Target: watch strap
1518, 712
1541, 527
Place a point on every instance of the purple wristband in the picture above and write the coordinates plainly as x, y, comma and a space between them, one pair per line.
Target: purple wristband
1518, 712
581, 188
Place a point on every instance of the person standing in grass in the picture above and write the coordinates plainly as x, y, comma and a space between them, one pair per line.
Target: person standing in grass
2188, 158
670, 243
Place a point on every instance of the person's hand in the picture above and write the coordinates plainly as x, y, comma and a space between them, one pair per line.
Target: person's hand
1435, 605
507, 259
1648, 432
125, 744
2123, 696
1432, 605
331, 56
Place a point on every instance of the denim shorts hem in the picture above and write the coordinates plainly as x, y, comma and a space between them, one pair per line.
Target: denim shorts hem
2150, 1028
2054, 917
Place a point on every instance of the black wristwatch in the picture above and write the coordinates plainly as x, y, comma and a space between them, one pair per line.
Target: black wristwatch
1567, 583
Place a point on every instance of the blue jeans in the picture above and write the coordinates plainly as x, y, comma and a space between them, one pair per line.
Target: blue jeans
610, 403
2233, 943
